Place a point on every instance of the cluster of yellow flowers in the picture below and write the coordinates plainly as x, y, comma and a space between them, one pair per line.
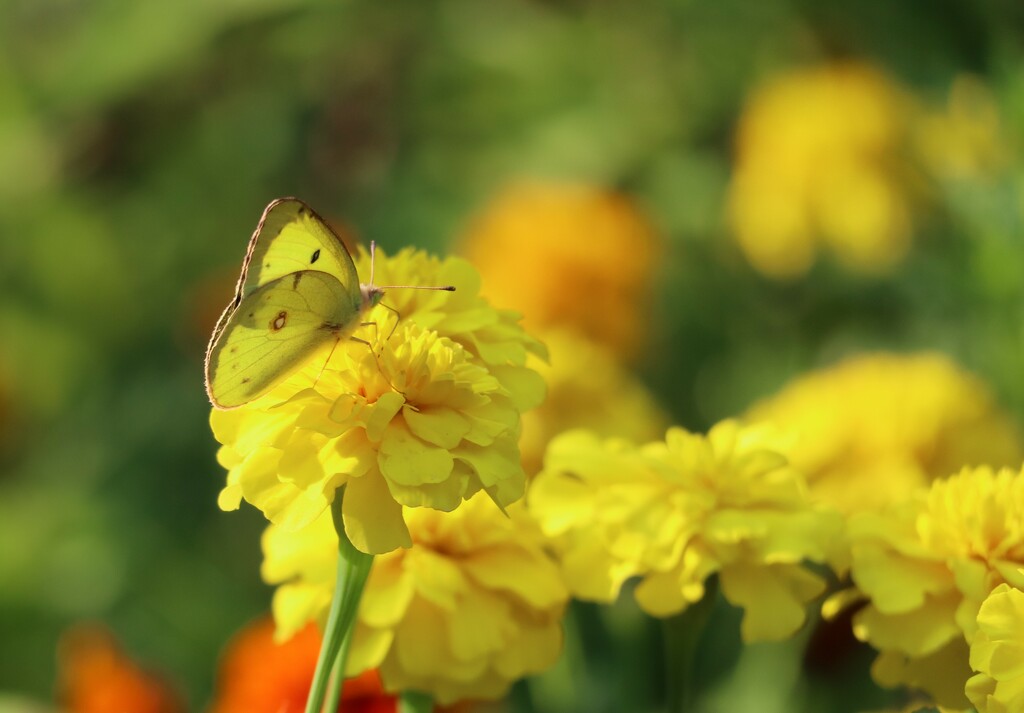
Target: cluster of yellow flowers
677, 511
487, 510
837, 156
926, 565
905, 420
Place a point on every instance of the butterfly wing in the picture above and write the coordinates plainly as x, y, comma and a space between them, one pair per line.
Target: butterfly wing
292, 237
271, 330
294, 264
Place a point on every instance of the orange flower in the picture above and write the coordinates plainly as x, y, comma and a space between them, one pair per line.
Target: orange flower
260, 676
571, 256
97, 677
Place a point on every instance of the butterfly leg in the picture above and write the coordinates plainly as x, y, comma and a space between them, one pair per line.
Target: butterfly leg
376, 358
398, 317
337, 341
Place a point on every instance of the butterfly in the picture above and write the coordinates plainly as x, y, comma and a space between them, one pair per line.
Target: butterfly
298, 291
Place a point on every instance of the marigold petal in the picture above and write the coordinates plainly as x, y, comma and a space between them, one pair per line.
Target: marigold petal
942, 673
407, 460
506, 492
526, 387
350, 453
592, 574
440, 426
773, 598
917, 632
283, 503
560, 503
230, 496
535, 649
246, 431
369, 648
446, 495
437, 579
393, 588
378, 416
501, 567
493, 464
895, 583
295, 605
373, 520
660, 594
422, 644
481, 627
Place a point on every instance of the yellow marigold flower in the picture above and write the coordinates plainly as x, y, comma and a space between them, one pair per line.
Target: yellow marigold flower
816, 157
495, 336
926, 565
676, 512
567, 255
587, 388
905, 420
997, 653
473, 606
419, 420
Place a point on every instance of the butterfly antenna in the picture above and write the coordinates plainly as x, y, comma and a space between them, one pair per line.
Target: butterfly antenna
373, 254
445, 288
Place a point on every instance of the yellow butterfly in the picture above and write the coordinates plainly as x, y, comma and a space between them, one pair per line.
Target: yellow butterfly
298, 291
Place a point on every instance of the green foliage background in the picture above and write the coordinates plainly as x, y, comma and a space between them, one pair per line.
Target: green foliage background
139, 142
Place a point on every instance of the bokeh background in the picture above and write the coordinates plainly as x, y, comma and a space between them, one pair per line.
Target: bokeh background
796, 181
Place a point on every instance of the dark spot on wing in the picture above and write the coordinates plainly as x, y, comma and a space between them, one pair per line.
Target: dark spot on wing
278, 322
316, 256
295, 280
233, 349
266, 264
246, 380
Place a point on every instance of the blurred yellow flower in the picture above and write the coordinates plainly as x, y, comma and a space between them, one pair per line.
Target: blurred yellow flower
817, 160
966, 140
420, 420
926, 565
567, 256
678, 511
587, 388
997, 653
874, 428
473, 606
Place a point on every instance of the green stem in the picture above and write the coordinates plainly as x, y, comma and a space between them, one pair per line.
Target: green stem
415, 702
353, 570
337, 677
682, 634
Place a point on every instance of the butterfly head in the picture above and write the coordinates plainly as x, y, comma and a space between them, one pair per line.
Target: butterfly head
371, 296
